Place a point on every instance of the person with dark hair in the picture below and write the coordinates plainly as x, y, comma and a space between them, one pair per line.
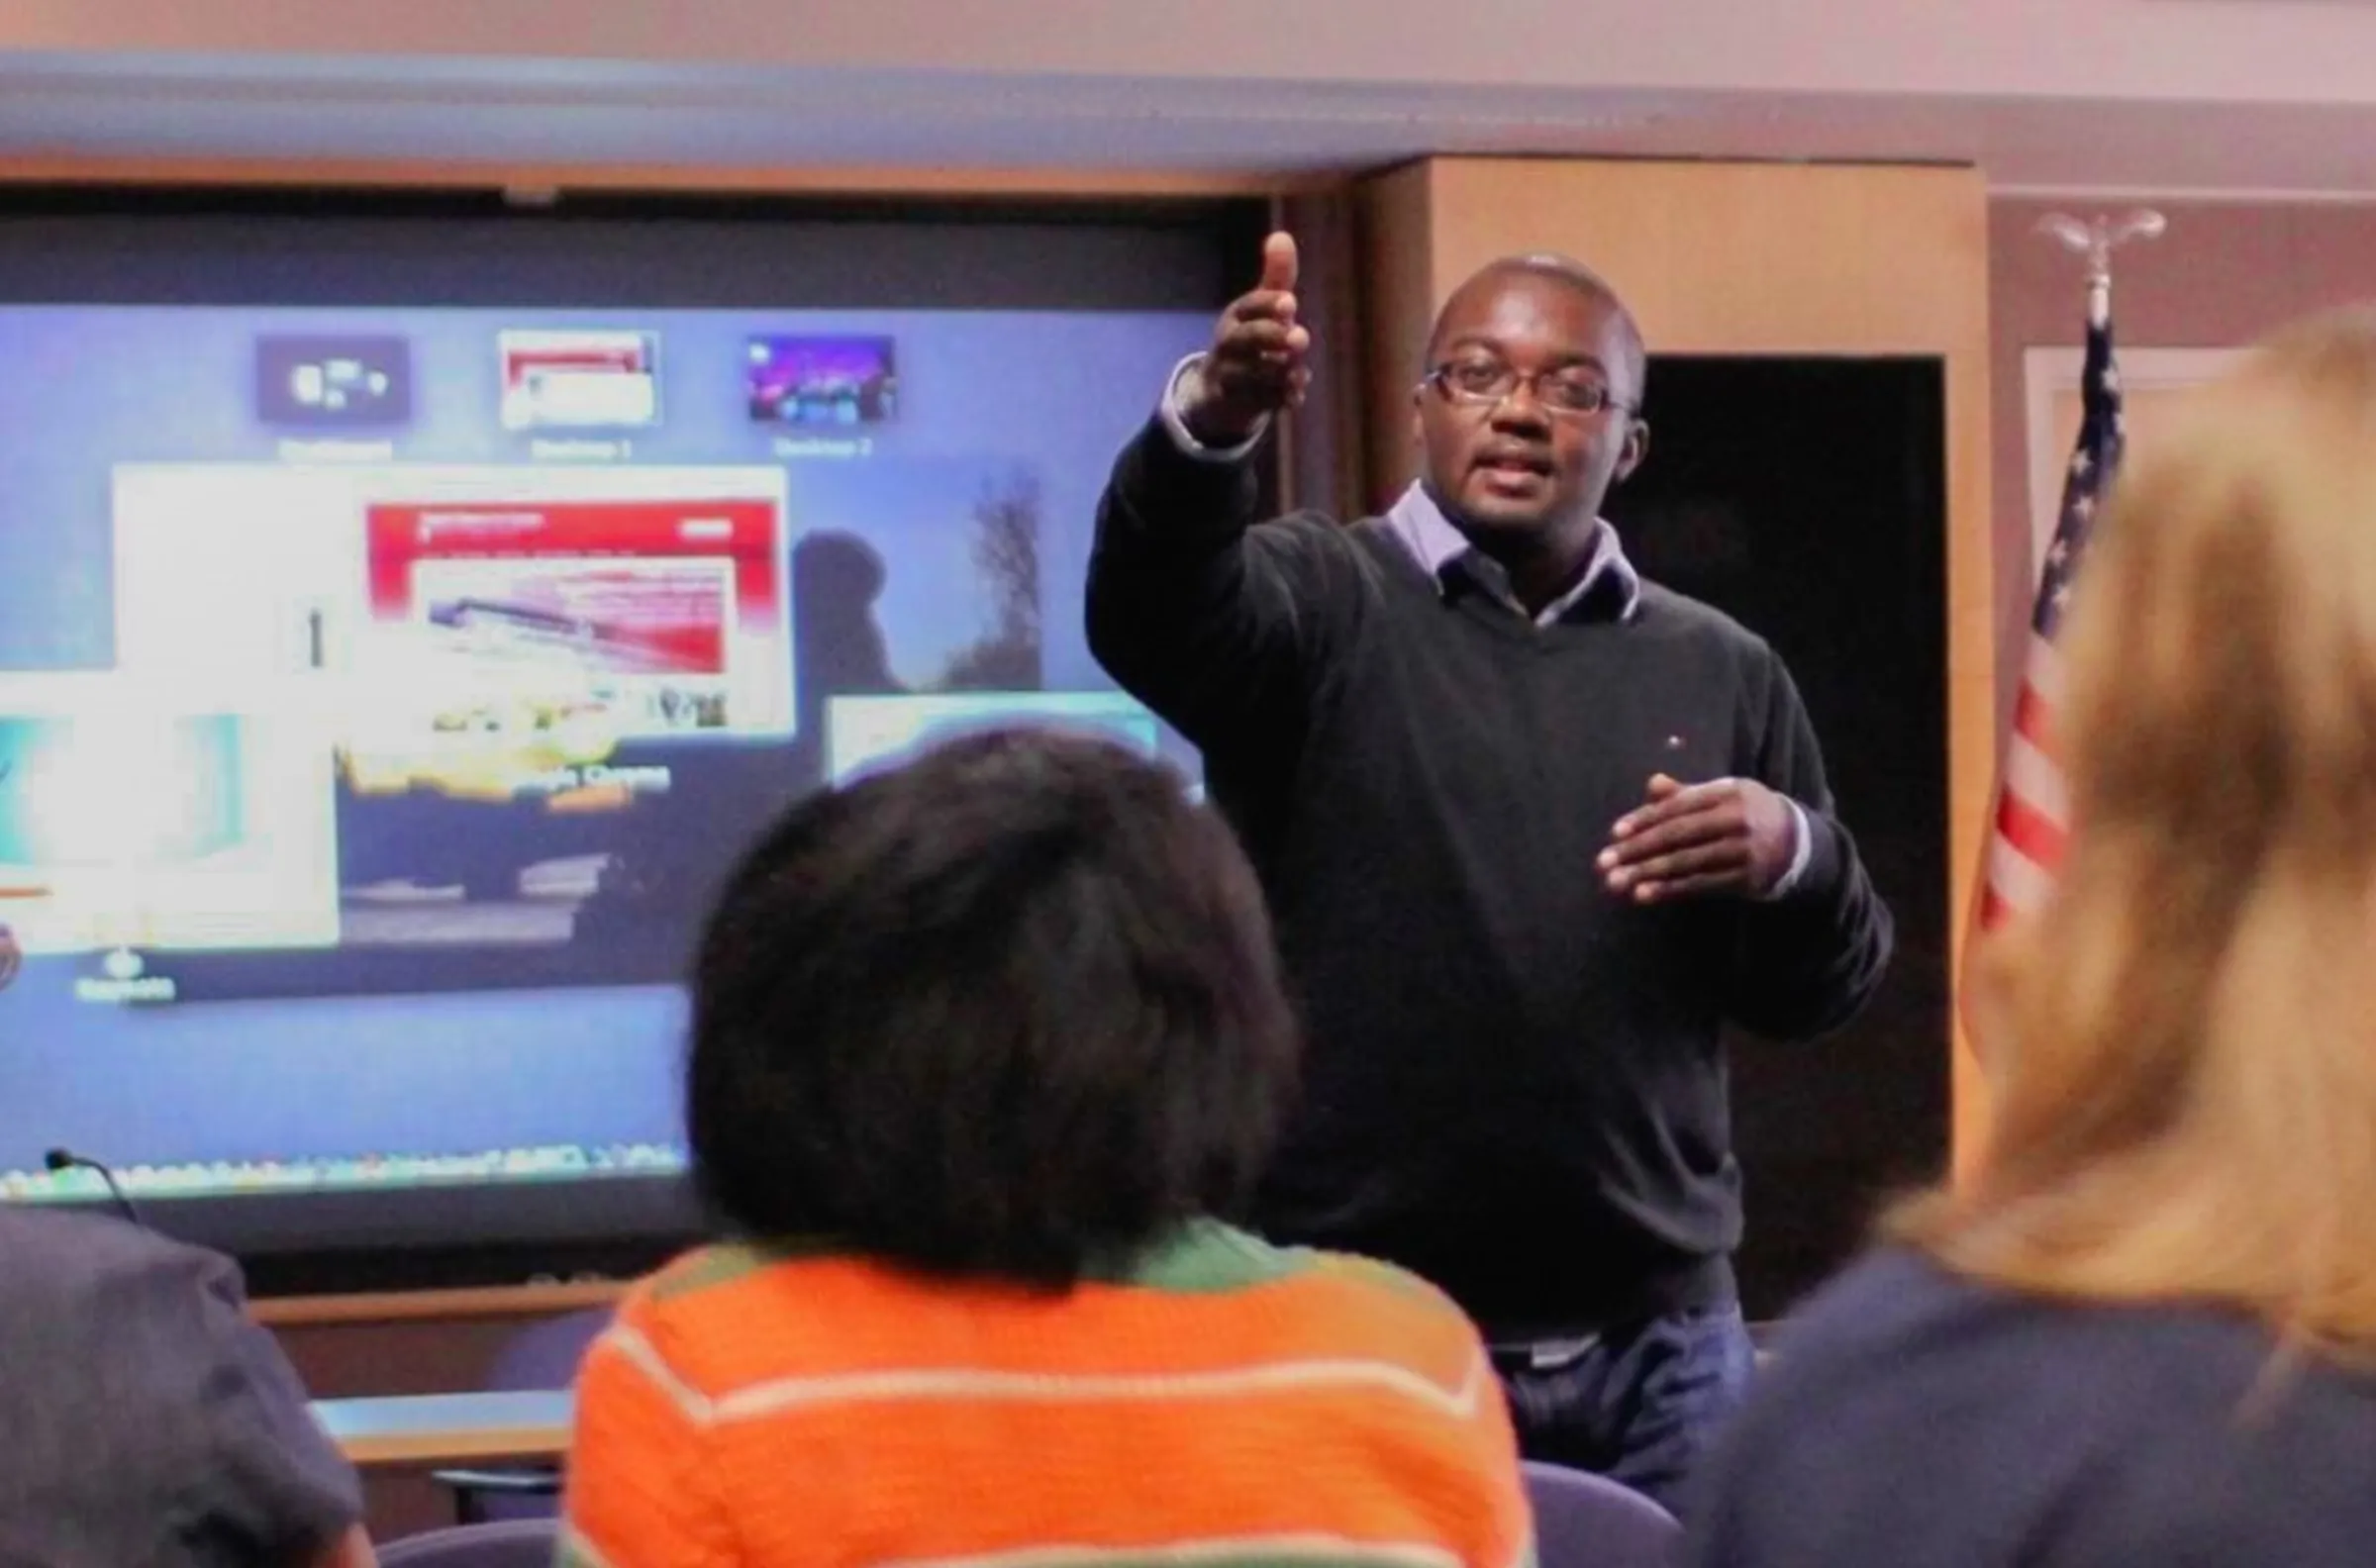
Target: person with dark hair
985, 1051
1533, 830
149, 1422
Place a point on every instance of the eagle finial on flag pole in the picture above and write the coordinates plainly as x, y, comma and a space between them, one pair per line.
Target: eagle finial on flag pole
2097, 239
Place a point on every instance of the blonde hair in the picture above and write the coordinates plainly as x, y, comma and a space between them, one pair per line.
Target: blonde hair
2186, 1034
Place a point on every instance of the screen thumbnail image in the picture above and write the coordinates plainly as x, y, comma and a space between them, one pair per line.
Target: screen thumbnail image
810, 381
93, 790
534, 692
317, 382
579, 380
665, 611
121, 824
648, 600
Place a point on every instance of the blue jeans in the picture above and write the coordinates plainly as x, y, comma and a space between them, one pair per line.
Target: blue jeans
1641, 1405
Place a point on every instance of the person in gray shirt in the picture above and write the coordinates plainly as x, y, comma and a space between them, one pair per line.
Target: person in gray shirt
149, 1422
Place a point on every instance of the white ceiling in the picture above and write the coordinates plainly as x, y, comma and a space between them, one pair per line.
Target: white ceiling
2207, 96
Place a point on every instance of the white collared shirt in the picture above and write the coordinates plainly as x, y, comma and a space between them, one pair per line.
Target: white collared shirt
1434, 542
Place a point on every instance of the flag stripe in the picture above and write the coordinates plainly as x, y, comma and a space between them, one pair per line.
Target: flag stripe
2019, 881
2033, 717
2036, 778
2042, 673
2029, 830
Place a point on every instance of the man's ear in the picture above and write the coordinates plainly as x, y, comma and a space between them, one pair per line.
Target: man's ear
1636, 449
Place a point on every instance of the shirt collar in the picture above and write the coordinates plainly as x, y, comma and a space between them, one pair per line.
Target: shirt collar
1420, 524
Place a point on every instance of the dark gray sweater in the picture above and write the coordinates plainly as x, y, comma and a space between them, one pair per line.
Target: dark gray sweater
148, 1422
1915, 1419
1514, 1084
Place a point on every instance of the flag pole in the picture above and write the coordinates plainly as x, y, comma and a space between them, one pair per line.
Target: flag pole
2027, 808
2095, 239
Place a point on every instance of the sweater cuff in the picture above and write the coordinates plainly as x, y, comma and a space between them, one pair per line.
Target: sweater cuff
1814, 870
1176, 423
1170, 494
1801, 850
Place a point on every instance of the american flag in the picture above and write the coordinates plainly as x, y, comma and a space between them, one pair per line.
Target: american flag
2033, 800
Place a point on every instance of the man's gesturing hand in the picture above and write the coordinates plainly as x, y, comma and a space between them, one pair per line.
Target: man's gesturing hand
1255, 366
1728, 836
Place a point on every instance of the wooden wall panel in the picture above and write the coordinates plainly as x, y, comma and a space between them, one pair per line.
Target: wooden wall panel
1742, 259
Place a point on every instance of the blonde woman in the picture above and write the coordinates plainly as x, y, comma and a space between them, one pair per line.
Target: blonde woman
2146, 1332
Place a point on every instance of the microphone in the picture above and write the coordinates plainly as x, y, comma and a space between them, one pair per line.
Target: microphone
61, 1160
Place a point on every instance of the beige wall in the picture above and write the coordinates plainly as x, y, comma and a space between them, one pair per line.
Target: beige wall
2034, 50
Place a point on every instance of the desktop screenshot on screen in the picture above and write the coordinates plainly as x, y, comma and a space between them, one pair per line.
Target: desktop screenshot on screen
399, 673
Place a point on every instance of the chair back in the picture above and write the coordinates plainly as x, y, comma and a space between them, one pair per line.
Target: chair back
546, 1354
1584, 1520
543, 1355
506, 1544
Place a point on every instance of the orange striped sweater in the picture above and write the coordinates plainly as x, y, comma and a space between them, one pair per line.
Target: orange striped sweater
1224, 1404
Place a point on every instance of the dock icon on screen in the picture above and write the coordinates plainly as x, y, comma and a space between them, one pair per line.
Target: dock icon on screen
320, 382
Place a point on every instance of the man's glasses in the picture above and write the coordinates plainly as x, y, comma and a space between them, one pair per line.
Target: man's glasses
1482, 383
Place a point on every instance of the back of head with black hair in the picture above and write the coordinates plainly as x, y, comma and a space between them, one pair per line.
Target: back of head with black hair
1009, 1011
